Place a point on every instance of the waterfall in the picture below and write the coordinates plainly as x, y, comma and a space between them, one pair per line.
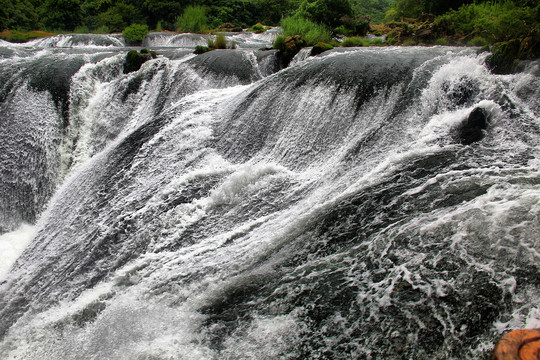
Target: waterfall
211, 206
79, 40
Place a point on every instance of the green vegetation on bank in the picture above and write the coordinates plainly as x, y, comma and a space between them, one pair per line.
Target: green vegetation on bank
193, 20
494, 22
196, 16
511, 27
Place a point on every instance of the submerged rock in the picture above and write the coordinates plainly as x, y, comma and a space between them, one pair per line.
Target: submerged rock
471, 130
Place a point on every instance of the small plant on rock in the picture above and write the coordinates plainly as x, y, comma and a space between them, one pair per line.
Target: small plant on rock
258, 28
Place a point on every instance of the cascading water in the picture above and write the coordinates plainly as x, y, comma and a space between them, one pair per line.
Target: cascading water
79, 40
242, 40
208, 207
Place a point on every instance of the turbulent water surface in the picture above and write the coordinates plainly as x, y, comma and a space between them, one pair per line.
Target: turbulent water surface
218, 206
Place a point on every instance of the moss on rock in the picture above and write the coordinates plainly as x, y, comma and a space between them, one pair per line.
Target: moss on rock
134, 60
288, 47
506, 55
320, 47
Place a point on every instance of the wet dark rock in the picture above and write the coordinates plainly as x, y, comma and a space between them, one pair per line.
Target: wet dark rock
226, 63
289, 47
268, 61
471, 130
134, 60
54, 76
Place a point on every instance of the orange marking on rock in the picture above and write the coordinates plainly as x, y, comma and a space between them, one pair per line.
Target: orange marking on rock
518, 345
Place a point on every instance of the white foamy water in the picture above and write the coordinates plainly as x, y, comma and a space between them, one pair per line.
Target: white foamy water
12, 245
210, 211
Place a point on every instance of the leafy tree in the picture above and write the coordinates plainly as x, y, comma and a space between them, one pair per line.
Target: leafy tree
164, 11
327, 12
119, 16
409, 8
272, 11
19, 14
375, 10
61, 14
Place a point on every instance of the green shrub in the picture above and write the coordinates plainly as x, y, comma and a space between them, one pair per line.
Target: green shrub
219, 43
355, 41
391, 41
477, 41
134, 34
308, 30
192, 20
342, 30
377, 42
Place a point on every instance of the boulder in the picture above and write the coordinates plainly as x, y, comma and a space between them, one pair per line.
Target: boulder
288, 47
319, 48
472, 129
134, 59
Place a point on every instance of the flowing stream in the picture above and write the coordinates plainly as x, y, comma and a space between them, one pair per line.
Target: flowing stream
220, 207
